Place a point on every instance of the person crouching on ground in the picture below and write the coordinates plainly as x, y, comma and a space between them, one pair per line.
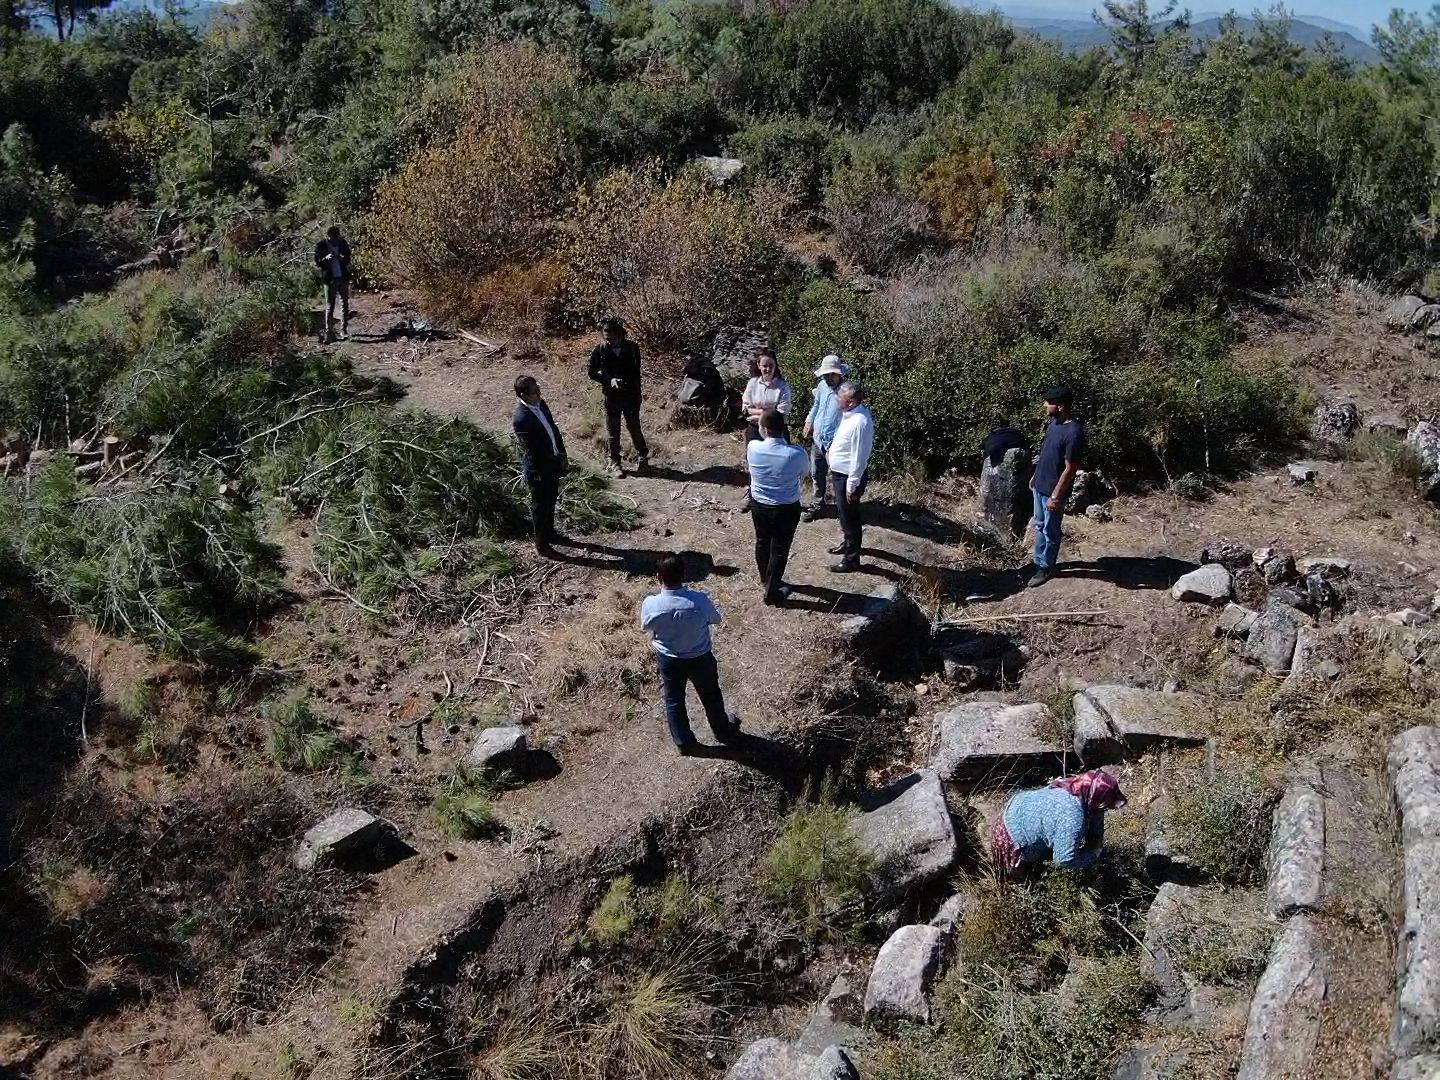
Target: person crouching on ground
1064, 822
849, 461
678, 621
820, 425
542, 460
776, 471
1060, 453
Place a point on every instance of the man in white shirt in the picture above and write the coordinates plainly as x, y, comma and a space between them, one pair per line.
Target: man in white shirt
849, 461
776, 470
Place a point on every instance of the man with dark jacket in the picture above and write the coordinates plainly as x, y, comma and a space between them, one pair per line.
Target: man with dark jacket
332, 257
615, 365
542, 459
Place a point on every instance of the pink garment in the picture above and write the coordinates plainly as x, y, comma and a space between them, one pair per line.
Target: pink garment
1003, 851
1096, 790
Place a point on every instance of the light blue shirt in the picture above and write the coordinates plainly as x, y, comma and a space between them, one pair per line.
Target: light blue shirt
679, 621
1052, 822
824, 415
776, 469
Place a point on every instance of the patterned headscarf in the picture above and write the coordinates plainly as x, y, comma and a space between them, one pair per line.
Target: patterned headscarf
1096, 790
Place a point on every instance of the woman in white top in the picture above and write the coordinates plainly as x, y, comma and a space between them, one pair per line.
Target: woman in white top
766, 390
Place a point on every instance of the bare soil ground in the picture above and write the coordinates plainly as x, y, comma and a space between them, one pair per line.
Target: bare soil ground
558, 647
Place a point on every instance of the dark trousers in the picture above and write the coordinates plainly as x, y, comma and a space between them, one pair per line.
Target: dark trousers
819, 472
544, 494
703, 672
774, 533
852, 522
337, 289
628, 407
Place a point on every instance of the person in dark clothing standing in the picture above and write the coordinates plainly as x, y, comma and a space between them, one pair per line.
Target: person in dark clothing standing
615, 365
543, 460
332, 257
1060, 454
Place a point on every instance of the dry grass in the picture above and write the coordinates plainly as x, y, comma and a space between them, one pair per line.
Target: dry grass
69, 888
523, 1048
600, 650
654, 1025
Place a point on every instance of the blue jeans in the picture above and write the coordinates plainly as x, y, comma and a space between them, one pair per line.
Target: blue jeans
1047, 532
675, 673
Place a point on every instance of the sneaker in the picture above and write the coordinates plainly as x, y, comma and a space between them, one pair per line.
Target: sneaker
838, 549
845, 566
813, 513
1040, 576
616, 471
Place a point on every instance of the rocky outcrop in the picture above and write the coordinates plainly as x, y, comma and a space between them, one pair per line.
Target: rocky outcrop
909, 835
899, 986
1297, 850
1209, 584
1272, 639
988, 741
1336, 422
889, 624
1424, 439
1413, 768
1004, 501
1116, 722
1284, 1024
346, 832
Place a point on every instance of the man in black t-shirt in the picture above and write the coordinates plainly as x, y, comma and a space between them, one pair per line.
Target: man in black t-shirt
1060, 454
615, 365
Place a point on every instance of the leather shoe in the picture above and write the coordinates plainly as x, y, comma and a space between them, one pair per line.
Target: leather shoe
838, 549
545, 551
845, 566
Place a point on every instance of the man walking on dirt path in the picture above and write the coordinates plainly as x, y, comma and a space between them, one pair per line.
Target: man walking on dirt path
332, 257
678, 621
776, 470
849, 461
615, 365
820, 425
542, 458
1060, 453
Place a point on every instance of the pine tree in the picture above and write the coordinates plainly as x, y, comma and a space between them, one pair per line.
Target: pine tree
1135, 31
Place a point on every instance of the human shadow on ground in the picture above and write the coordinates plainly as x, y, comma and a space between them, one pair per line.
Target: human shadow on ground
785, 765
924, 523
826, 601
640, 562
973, 583
1130, 571
723, 475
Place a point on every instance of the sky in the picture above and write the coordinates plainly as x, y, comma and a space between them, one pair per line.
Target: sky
1360, 15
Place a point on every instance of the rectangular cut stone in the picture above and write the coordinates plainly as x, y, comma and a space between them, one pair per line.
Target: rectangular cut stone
1297, 852
1414, 771
989, 740
1138, 720
909, 834
1284, 1024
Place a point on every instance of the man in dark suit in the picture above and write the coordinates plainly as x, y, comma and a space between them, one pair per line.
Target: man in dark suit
332, 258
543, 461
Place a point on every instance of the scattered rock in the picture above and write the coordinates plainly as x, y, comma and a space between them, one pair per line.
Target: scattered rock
952, 912
988, 740
909, 835
1235, 622
1336, 422
834, 1064
1284, 1024
1005, 502
497, 748
1406, 617
1098, 512
1413, 763
771, 1059
1210, 584
973, 659
1327, 566
1424, 438
1390, 425
1297, 851
888, 624
1411, 313
1272, 639
899, 986
1230, 556
836, 1019
342, 834
1115, 722
720, 170
1301, 472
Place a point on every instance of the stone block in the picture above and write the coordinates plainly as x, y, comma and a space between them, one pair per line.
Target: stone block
1284, 1023
342, 834
909, 834
1413, 766
1114, 722
899, 986
1297, 851
985, 740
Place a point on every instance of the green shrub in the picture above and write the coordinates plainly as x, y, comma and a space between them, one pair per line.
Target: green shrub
1222, 823
614, 916
463, 808
172, 562
796, 153
815, 868
300, 739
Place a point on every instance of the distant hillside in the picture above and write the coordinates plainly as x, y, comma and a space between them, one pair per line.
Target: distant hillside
1079, 34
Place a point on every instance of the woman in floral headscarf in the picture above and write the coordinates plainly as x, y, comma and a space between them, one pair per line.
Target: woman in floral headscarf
1064, 822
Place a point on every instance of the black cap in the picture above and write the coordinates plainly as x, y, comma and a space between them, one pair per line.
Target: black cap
1060, 395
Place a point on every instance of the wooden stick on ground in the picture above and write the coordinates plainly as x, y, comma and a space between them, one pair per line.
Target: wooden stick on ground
1022, 615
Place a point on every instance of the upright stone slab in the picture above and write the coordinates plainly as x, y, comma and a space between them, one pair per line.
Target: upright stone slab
1209, 584
1005, 500
1115, 722
1413, 765
1284, 1024
343, 833
899, 986
1424, 439
987, 740
1272, 639
1297, 851
889, 623
909, 835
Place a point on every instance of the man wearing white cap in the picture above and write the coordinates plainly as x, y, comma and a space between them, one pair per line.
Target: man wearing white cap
820, 424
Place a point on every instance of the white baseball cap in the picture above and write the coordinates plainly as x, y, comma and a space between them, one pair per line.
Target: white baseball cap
832, 365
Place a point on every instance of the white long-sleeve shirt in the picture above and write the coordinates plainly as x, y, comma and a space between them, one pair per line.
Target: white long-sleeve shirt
758, 395
849, 452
